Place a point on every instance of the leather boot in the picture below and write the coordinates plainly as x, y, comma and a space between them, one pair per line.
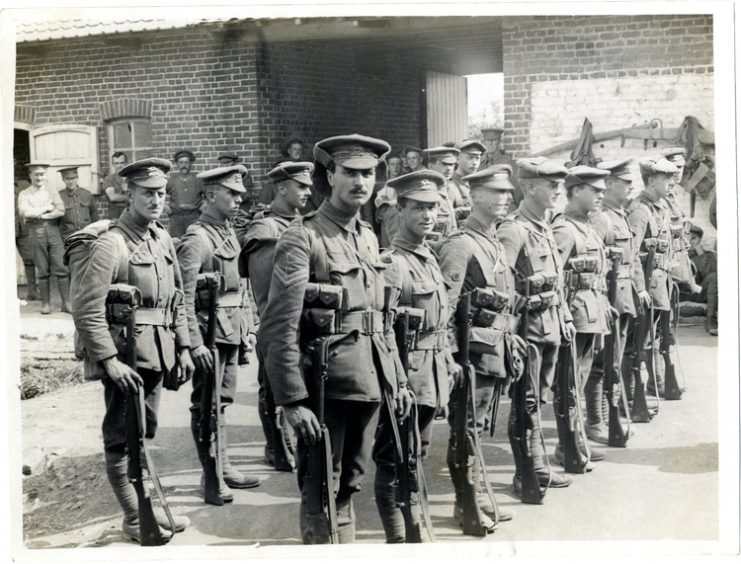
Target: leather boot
391, 516
31, 291
45, 292
233, 478
345, 521
63, 285
224, 492
596, 427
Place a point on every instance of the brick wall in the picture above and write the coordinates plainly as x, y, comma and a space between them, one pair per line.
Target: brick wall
619, 71
211, 92
571, 65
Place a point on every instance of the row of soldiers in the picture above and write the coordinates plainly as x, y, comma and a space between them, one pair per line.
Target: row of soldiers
328, 302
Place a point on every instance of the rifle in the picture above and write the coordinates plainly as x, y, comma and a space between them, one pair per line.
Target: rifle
209, 439
412, 489
123, 301
617, 436
640, 412
650, 359
672, 390
523, 428
574, 460
320, 503
463, 441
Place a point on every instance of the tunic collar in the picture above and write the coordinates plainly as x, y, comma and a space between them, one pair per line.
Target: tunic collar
530, 215
419, 249
341, 219
128, 221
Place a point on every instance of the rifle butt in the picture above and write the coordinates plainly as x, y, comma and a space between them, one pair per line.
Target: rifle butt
672, 390
616, 435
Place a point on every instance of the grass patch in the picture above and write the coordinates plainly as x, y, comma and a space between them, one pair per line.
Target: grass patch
43, 377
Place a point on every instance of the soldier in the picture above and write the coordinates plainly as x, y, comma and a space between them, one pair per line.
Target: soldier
79, 204
611, 223
470, 258
443, 160
706, 267
650, 225
492, 139
114, 186
210, 245
186, 194
41, 208
22, 236
413, 272
333, 247
529, 246
292, 181
230, 159
469, 160
135, 250
583, 255
385, 203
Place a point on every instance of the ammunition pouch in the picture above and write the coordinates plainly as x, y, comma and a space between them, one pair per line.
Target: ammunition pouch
325, 296
663, 262
648, 244
542, 301
615, 252
662, 245
490, 299
320, 322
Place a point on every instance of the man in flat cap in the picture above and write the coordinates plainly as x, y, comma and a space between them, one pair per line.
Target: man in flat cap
292, 182
583, 258
186, 193
650, 224
210, 245
529, 245
413, 274
469, 161
491, 137
472, 258
114, 186
41, 207
611, 223
79, 204
333, 253
230, 158
135, 250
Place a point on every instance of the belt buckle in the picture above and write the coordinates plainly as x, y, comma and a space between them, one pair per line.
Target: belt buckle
367, 322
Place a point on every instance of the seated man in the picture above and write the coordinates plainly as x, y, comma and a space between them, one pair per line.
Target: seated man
706, 274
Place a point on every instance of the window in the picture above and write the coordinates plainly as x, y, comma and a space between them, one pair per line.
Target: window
132, 136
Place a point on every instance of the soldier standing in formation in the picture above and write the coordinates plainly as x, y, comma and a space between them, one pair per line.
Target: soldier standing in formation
292, 182
413, 273
136, 251
583, 256
611, 224
650, 225
531, 249
41, 207
334, 247
443, 160
210, 245
471, 258
469, 159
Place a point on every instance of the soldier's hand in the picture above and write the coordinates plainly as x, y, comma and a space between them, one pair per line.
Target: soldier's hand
569, 331
644, 298
695, 288
403, 403
125, 377
186, 366
455, 371
614, 313
203, 359
304, 423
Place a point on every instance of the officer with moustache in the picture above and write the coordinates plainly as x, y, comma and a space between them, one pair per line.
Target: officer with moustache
292, 189
529, 245
473, 257
334, 248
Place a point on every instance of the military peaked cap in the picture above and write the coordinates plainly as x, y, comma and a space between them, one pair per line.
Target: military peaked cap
291, 170
227, 176
541, 167
619, 168
582, 174
495, 177
148, 173
421, 185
